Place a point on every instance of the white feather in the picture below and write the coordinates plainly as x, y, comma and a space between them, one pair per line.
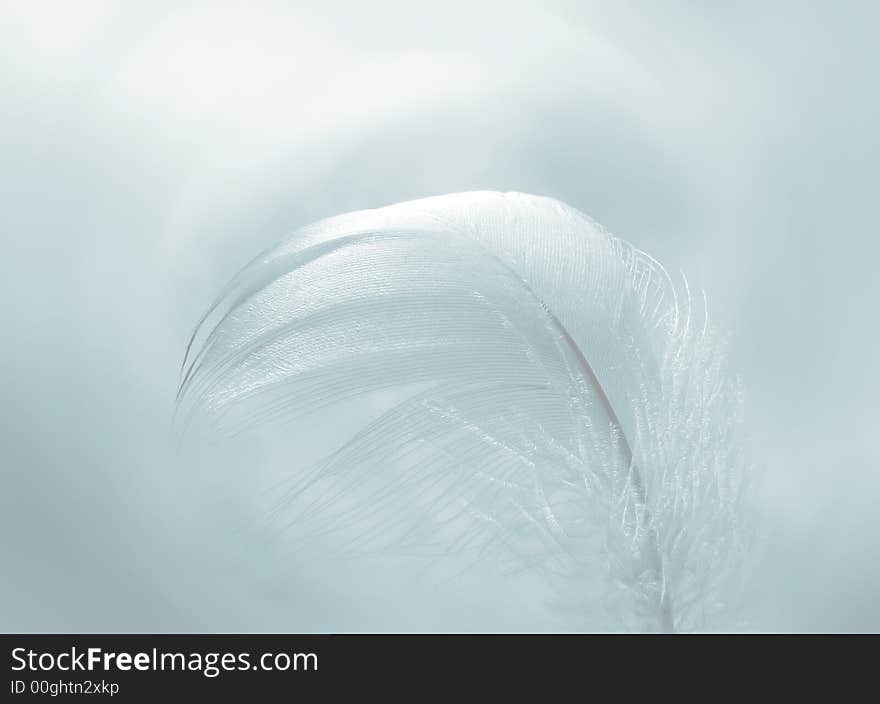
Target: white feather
564, 405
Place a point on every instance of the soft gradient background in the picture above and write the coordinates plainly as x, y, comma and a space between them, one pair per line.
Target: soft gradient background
148, 150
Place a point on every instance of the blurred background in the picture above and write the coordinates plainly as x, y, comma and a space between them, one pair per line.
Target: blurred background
149, 149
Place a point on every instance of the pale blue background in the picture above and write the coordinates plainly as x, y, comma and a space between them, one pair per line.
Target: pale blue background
149, 149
